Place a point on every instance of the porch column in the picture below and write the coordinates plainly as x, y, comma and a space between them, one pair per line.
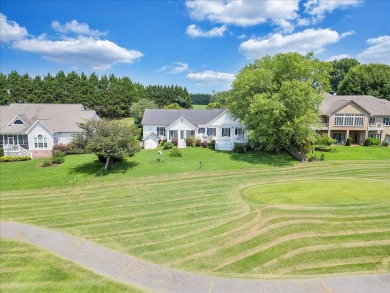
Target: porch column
167, 133
347, 134
365, 134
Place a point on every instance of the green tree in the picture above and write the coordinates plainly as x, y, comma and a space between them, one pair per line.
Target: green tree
137, 109
110, 139
4, 95
367, 79
277, 99
173, 106
340, 69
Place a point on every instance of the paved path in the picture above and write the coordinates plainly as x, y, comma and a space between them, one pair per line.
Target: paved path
150, 277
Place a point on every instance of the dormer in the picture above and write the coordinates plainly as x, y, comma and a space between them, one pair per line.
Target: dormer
17, 120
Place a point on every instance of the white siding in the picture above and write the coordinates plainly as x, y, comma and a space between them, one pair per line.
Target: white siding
148, 129
150, 143
39, 129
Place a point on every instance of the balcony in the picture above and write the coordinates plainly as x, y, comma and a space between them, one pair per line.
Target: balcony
376, 126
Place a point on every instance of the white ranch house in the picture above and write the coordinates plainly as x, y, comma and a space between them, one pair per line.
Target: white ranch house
33, 129
167, 125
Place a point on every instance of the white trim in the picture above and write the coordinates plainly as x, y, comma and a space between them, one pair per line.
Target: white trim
17, 117
38, 121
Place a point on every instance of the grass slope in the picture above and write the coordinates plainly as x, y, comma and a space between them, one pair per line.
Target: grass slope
25, 268
178, 215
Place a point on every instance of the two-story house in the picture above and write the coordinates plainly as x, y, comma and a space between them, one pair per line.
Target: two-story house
358, 117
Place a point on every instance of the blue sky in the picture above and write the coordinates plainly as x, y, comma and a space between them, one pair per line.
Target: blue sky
195, 43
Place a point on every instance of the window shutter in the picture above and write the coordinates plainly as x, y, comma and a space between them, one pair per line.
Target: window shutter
235, 131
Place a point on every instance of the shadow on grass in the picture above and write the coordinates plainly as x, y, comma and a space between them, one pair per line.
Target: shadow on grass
265, 158
97, 168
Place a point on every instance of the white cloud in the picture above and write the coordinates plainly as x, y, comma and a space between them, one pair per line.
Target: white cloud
338, 57
318, 8
378, 52
77, 28
10, 30
301, 42
83, 51
209, 77
243, 12
177, 67
196, 32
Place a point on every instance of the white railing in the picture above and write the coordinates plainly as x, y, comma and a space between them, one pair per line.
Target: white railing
376, 126
16, 150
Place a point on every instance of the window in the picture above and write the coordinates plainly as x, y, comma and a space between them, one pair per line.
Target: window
76, 136
202, 131
18, 121
339, 137
349, 120
339, 119
173, 134
161, 131
225, 132
40, 141
372, 121
240, 133
212, 131
55, 139
386, 121
374, 135
359, 120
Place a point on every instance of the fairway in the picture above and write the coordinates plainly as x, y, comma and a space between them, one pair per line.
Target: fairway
319, 192
333, 217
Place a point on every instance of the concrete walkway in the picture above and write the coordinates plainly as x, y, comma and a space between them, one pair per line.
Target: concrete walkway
150, 277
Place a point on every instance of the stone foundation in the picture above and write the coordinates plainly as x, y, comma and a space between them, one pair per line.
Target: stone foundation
41, 153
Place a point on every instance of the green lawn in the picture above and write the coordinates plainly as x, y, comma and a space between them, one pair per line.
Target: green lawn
356, 153
321, 192
25, 268
196, 219
199, 107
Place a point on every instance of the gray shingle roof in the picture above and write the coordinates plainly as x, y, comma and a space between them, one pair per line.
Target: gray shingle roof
373, 105
56, 117
166, 117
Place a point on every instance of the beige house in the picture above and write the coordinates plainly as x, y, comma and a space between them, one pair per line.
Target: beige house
358, 117
33, 129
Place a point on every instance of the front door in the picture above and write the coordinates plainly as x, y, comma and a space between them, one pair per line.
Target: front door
11, 140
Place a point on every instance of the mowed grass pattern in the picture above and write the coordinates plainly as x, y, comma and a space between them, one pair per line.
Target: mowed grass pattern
199, 221
25, 268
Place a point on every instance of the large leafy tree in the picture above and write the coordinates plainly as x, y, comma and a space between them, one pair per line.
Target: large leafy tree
137, 109
340, 69
277, 98
110, 139
367, 79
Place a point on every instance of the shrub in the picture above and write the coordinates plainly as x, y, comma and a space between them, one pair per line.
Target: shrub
322, 157
212, 144
1, 152
367, 142
14, 158
174, 141
324, 149
385, 143
60, 147
205, 144
312, 158
348, 142
371, 141
74, 148
57, 160
46, 163
57, 156
325, 140
175, 152
168, 145
198, 142
239, 148
190, 141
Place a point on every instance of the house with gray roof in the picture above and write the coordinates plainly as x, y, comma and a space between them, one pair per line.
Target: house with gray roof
33, 129
206, 125
358, 117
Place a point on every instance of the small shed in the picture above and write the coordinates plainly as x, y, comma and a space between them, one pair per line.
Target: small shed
151, 141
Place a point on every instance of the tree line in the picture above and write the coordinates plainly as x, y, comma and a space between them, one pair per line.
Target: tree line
109, 96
